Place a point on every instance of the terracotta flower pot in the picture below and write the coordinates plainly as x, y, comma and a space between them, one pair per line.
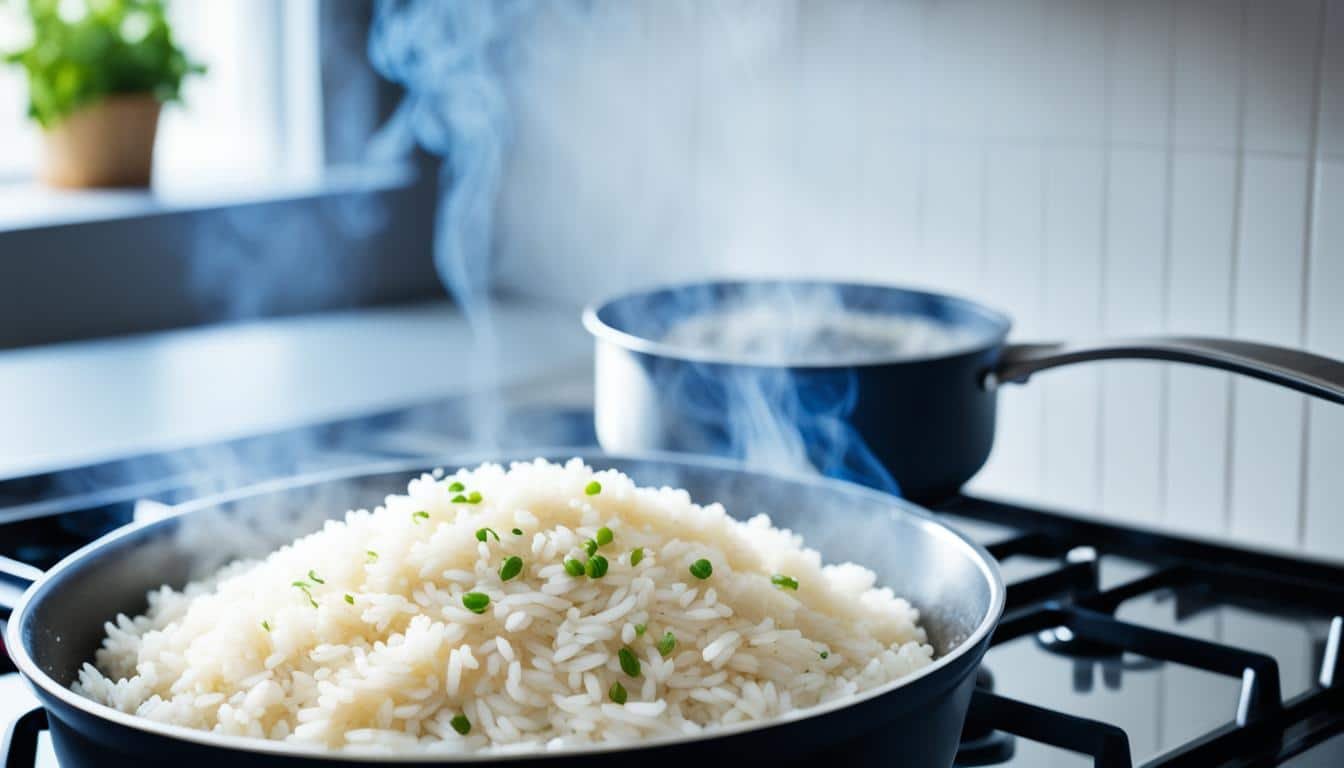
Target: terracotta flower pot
109, 143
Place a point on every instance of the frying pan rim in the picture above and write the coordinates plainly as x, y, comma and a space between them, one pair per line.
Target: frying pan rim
976, 554
604, 331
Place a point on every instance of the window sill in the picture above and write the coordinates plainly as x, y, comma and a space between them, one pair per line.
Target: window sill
28, 204
88, 264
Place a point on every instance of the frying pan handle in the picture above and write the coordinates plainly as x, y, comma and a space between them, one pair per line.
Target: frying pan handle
1315, 375
15, 577
20, 747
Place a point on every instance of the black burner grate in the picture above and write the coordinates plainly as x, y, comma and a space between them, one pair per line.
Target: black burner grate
1071, 614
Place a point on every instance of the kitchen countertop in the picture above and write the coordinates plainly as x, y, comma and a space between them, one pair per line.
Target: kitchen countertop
78, 403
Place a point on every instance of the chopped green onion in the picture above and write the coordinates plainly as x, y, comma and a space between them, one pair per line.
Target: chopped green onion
590, 547
349, 598
266, 625
597, 567
482, 533
517, 531
573, 567
459, 499
371, 556
636, 555
825, 654
511, 567
640, 629
784, 582
604, 536
421, 515
313, 576
456, 487
476, 602
474, 497
702, 569
617, 692
305, 587
629, 663
666, 644
461, 724
593, 488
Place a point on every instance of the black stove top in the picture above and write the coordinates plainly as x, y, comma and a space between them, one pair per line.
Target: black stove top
1130, 648
1119, 647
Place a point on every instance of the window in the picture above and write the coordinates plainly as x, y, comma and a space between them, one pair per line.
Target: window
18, 137
254, 114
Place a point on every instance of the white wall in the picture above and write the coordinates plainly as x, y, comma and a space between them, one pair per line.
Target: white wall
1091, 167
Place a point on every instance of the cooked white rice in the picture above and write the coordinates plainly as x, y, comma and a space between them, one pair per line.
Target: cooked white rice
390, 656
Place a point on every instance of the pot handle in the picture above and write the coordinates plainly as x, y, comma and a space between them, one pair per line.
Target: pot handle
20, 747
1314, 375
15, 577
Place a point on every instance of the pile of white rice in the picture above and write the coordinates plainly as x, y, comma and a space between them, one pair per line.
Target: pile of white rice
376, 651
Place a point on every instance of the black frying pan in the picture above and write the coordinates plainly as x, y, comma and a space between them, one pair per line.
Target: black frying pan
914, 721
928, 419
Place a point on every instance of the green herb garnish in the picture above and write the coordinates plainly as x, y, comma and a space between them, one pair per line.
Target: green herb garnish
474, 497
511, 567
370, 556
573, 567
456, 487
636, 555
421, 515
666, 644
459, 499
266, 625
349, 598
702, 569
306, 589
784, 582
461, 724
825, 654
476, 602
482, 533
590, 547
312, 576
597, 567
640, 629
517, 531
593, 488
617, 692
604, 536
629, 663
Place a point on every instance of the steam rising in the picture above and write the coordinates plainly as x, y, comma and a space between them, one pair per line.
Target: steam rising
447, 55
467, 67
782, 411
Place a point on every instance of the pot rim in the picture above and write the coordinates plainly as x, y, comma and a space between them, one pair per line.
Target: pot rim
604, 331
46, 684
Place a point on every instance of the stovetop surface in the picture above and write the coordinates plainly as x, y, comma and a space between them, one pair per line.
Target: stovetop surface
1125, 600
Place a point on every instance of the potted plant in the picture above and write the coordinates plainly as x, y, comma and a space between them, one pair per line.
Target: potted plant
98, 72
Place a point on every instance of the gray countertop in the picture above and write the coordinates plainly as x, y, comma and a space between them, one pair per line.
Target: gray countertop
72, 404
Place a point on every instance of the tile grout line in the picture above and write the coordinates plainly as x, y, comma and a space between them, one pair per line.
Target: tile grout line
1105, 255
1164, 379
1042, 282
1308, 241
1237, 203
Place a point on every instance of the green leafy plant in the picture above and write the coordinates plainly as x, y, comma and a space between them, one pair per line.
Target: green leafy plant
85, 50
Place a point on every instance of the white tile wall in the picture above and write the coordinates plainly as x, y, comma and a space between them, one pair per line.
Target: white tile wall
1092, 166
1323, 512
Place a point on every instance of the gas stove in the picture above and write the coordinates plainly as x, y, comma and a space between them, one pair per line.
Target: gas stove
1119, 647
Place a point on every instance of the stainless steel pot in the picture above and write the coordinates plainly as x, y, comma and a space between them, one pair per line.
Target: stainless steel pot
926, 419
914, 721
